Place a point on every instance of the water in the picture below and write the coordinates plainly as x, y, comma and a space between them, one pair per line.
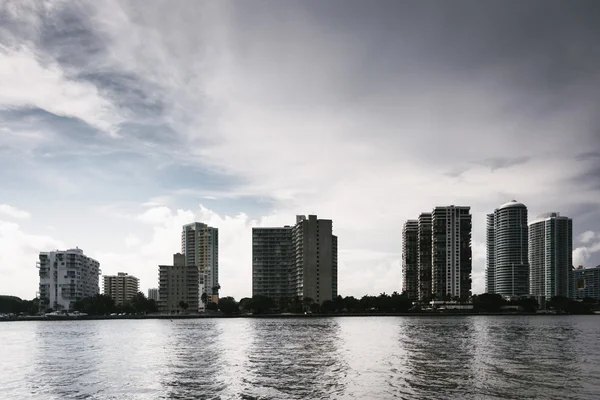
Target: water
365, 358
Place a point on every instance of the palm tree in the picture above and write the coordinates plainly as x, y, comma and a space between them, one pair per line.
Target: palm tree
183, 305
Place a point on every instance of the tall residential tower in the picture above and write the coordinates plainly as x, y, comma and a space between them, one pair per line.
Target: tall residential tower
200, 246
298, 261
451, 252
424, 256
410, 257
550, 255
507, 270
437, 248
272, 262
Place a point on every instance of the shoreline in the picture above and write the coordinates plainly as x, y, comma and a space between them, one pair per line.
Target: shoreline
276, 316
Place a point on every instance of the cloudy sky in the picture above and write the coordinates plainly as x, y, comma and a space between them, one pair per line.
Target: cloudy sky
121, 121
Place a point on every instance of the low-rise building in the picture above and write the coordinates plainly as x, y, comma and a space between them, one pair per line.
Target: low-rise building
153, 294
179, 287
121, 287
585, 282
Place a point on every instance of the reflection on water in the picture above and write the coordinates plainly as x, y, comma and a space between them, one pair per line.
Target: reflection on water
365, 358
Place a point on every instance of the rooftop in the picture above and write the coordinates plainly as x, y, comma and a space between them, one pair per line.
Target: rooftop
512, 203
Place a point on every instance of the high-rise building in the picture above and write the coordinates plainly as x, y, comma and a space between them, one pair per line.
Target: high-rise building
299, 261
200, 246
153, 294
550, 255
179, 286
585, 282
121, 287
410, 257
424, 256
315, 259
451, 252
507, 271
272, 262
66, 277
490, 270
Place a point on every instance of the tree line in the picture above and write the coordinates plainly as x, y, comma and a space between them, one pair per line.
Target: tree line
102, 304
16, 305
488, 302
259, 304
384, 303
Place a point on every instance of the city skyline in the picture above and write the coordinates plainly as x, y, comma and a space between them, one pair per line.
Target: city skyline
121, 123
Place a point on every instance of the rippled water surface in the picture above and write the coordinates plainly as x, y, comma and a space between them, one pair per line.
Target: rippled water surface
365, 358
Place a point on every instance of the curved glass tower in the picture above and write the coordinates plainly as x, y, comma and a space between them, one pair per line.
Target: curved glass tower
507, 250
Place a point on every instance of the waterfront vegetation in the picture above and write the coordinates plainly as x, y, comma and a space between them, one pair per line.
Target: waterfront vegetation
100, 304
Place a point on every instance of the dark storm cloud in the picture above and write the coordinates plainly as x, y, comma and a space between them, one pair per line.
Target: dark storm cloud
546, 44
591, 155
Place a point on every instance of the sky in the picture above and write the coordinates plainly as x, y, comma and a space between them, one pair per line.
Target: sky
121, 121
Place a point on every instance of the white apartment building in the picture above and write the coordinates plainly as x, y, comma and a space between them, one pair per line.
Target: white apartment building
66, 277
507, 271
550, 255
200, 246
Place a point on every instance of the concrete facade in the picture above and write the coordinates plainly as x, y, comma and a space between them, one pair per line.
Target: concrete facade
299, 261
585, 282
410, 258
66, 277
272, 262
153, 294
200, 246
451, 257
121, 287
178, 282
315, 259
424, 256
550, 256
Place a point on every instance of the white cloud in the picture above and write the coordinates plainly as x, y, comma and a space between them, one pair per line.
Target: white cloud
13, 212
587, 236
19, 252
28, 83
235, 248
132, 240
582, 254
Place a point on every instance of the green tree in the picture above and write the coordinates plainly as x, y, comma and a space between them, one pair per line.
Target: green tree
212, 306
204, 299
244, 304
328, 306
559, 303
99, 304
529, 304
261, 304
487, 302
400, 302
367, 303
351, 303
296, 305
228, 305
183, 305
